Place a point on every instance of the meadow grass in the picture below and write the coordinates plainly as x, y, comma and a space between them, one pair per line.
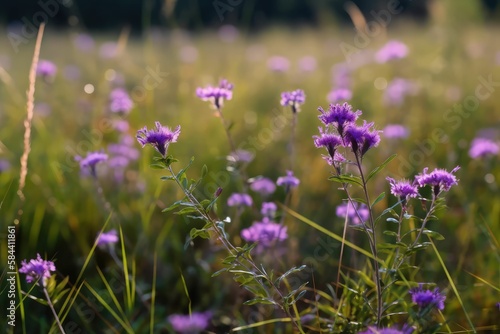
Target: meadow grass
155, 271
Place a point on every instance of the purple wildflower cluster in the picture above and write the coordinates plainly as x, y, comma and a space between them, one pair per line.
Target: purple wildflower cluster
239, 200
265, 233
439, 179
121, 155
268, 209
37, 269
216, 95
278, 64
374, 330
293, 99
46, 69
107, 238
263, 185
89, 163
427, 298
342, 131
288, 181
160, 138
337, 95
392, 50
403, 189
190, 324
397, 90
483, 147
395, 131
356, 214
120, 102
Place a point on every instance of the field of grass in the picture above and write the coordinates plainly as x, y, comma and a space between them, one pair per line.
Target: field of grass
154, 271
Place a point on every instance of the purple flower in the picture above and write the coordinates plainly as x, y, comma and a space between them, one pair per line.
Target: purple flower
120, 102
339, 94
340, 115
105, 238
356, 214
341, 75
46, 69
374, 330
88, 164
308, 64
403, 189
278, 64
425, 298
288, 181
263, 186
395, 131
482, 147
397, 90
37, 269
190, 324
159, 138
239, 199
265, 233
328, 140
216, 95
391, 51
294, 99
440, 179
108, 50
228, 33
362, 138
84, 42
241, 156
4, 165
268, 209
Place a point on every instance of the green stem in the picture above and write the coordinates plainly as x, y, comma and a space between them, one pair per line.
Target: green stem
53, 310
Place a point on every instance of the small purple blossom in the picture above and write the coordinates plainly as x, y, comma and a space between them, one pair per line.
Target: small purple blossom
425, 298
439, 179
362, 138
356, 214
482, 147
403, 189
278, 64
160, 138
88, 164
328, 140
120, 102
239, 199
263, 186
268, 209
374, 330
84, 42
37, 269
4, 165
339, 115
265, 233
288, 181
190, 324
294, 99
241, 156
339, 94
391, 51
106, 238
307, 64
46, 69
397, 90
395, 131
216, 95
341, 76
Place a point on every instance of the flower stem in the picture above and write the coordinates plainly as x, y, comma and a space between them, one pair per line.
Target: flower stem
53, 310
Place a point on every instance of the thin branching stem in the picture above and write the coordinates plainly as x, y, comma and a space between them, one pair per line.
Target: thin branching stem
53, 310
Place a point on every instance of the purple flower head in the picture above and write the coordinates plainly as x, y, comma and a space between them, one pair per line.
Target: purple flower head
439, 179
239, 199
84, 42
336, 160
216, 95
265, 233
356, 214
340, 115
425, 298
397, 90
391, 51
263, 186
228, 33
362, 138
294, 99
288, 181
482, 147
159, 138
88, 164
374, 330
4, 165
403, 189
186, 324
241, 156
341, 76
268, 209
328, 140
120, 102
395, 131
46, 69
339, 94
278, 64
106, 238
37, 269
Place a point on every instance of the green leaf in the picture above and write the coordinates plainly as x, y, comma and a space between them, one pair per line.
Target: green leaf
433, 234
157, 166
289, 272
254, 301
218, 272
392, 220
194, 233
186, 211
204, 171
380, 168
171, 207
391, 233
378, 199
347, 179
182, 171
